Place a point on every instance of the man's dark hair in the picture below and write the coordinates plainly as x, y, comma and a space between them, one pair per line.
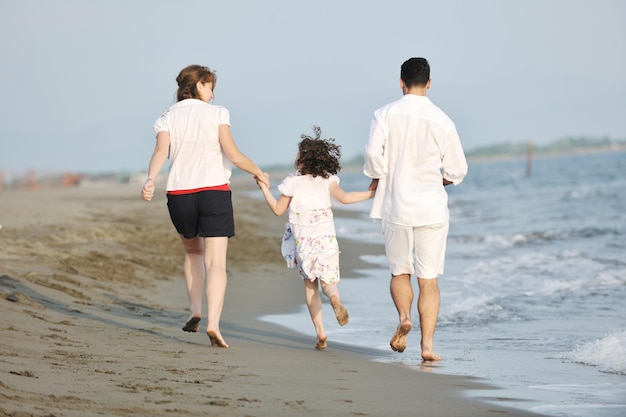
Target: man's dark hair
415, 72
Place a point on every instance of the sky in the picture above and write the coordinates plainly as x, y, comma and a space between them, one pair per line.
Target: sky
82, 81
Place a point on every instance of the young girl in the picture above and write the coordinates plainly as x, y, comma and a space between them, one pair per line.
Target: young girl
309, 241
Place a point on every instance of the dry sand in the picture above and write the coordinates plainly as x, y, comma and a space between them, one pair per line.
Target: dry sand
92, 302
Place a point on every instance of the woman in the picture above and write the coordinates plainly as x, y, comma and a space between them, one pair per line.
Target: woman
196, 137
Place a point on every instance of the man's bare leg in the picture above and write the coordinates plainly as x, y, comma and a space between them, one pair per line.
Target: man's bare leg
314, 304
428, 309
402, 295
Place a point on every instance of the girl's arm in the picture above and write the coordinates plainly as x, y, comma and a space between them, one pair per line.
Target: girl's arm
159, 156
349, 197
278, 207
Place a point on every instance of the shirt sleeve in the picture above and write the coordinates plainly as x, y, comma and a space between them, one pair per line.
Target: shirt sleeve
288, 186
160, 125
223, 116
453, 158
333, 201
375, 161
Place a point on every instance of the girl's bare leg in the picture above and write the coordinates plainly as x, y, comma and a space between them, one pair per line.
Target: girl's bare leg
314, 304
194, 280
215, 264
332, 292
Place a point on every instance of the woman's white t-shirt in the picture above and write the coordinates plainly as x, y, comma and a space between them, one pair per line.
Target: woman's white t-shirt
195, 154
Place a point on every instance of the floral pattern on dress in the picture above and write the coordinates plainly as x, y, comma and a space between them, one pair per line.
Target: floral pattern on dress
288, 247
322, 266
310, 244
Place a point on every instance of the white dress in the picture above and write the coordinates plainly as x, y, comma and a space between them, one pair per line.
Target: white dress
310, 241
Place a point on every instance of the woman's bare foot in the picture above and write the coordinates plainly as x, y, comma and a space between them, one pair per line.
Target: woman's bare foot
192, 325
398, 341
216, 339
321, 343
340, 311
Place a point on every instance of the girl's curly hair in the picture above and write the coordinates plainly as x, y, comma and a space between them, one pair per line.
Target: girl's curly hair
318, 157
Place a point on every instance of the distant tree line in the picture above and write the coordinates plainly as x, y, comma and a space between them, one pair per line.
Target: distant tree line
561, 146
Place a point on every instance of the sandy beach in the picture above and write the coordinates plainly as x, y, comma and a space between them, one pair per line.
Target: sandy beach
92, 301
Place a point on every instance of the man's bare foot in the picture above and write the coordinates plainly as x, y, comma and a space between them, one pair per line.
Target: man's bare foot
398, 341
192, 325
216, 339
429, 356
321, 343
340, 311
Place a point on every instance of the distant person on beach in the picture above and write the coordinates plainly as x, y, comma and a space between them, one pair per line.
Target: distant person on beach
310, 242
412, 153
195, 136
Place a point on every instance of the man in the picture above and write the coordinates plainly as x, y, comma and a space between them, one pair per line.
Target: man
413, 152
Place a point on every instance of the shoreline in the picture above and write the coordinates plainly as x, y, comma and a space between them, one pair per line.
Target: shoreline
92, 300
55, 178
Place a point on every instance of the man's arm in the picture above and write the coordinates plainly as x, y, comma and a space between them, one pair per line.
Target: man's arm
375, 161
454, 162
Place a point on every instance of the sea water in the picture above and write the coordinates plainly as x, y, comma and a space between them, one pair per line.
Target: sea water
533, 298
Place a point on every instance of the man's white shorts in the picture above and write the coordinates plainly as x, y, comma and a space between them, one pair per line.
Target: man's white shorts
416, 250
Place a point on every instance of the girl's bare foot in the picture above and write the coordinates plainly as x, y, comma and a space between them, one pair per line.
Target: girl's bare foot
321, 343
216, 339
192, 325
398, 341
340, 311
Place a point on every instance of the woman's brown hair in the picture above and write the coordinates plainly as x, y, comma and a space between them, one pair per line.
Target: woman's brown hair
189, 77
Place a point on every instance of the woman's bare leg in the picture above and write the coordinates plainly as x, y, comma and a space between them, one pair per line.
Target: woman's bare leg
314, 304
332, 292
215, 264
194, 280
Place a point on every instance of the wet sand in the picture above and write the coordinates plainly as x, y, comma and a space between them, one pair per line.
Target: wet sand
92, 302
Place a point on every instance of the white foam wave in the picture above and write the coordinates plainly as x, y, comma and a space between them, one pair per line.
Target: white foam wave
583, 193
608, 353
506, 240
554, 286
470, 309
380, 260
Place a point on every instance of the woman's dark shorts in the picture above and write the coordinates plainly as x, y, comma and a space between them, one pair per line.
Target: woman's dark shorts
205, 214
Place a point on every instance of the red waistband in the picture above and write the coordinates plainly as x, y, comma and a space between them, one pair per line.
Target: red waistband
223, 187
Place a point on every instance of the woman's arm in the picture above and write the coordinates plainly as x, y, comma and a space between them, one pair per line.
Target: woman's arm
159, 156
233, 153
349, 197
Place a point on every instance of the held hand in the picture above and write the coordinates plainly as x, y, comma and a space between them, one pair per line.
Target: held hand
263, 180
147, 192
373, 185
